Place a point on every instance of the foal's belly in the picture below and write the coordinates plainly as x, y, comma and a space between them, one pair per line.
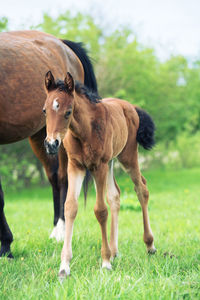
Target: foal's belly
119, 146
120, 136
117, 125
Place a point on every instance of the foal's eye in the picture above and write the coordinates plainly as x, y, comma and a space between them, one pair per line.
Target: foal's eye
67, 114
44, 111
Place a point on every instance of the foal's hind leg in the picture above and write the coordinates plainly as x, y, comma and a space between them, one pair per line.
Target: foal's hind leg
101, 211
113, 199
132, 167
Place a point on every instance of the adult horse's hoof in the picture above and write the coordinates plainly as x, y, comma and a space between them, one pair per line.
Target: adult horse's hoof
5, 251
59, 231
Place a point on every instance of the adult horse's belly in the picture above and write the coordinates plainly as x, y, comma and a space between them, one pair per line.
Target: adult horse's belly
25, 57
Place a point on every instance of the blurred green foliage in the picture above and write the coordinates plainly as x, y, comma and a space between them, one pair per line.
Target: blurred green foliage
19, 167
169, 90
3, 24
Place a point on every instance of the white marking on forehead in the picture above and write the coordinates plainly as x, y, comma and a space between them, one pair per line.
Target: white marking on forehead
55, 104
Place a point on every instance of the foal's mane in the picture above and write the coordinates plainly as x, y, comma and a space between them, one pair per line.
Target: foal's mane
81, 90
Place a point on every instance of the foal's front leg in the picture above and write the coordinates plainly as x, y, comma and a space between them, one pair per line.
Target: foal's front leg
75, 178
101, 212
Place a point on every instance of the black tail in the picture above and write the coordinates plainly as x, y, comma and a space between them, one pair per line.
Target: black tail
81, 52
145, 133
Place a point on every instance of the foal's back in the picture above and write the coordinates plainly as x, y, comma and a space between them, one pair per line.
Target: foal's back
124, 122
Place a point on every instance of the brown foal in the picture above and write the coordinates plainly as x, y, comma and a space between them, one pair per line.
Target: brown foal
94, 132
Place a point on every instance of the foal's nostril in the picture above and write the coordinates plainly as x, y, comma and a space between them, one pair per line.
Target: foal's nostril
56, 143
51, 147
45, 143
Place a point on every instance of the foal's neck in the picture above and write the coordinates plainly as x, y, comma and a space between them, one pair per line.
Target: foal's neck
83, 112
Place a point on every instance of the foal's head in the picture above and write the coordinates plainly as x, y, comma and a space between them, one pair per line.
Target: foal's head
58, 109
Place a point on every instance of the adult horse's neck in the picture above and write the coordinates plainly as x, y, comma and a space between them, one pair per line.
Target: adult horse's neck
83, 114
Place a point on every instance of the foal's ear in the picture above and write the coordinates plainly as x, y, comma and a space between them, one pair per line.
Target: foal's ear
69, 83
49, 81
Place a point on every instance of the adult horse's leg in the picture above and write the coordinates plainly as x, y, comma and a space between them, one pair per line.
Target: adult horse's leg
76, 177
6, 236
59, 230
113, 199
132, 167
51, 165
101, 211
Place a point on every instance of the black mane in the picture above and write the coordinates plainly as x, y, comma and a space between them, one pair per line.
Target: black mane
61, 86
81, 52
80, 89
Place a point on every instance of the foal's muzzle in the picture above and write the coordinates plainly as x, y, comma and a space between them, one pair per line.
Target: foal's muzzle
52, 146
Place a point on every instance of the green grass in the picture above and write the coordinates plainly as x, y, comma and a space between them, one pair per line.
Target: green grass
173, 273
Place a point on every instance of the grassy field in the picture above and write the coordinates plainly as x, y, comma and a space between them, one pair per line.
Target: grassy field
173, 273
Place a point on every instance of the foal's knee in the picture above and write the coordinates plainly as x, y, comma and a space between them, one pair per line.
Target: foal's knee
71, 209
144, 181
113, 196
101, 214
145, 195
114, 202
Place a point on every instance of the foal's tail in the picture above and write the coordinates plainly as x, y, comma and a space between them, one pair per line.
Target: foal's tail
146, 130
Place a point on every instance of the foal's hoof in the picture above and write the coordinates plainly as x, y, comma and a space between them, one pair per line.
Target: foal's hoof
64, 271
152, 250
63, 274
113, 256
106, 265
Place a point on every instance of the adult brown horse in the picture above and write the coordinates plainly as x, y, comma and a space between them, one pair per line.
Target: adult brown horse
25, 57
93, 132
